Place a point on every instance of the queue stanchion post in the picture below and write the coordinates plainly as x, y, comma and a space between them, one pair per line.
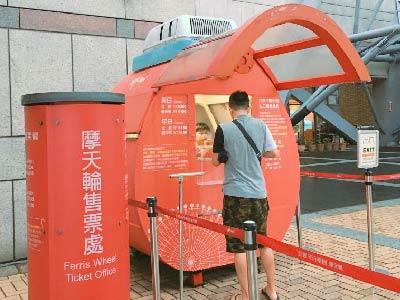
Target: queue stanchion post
292, 263
370, 219
250, 245
298, 223
152, 214
180, 177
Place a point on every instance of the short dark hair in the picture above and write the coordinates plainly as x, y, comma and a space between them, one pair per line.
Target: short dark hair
239, 100
201, 127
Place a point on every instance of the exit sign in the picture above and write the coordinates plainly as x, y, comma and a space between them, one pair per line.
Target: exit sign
368, 149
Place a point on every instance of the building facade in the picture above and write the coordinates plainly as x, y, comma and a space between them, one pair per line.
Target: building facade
88, 45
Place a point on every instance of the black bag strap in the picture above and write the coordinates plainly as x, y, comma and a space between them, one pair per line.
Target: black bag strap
249, 139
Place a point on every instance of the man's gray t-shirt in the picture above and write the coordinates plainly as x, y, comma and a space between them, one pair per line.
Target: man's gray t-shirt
243, 173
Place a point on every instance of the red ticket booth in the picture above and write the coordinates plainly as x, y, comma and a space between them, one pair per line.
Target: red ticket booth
165, 102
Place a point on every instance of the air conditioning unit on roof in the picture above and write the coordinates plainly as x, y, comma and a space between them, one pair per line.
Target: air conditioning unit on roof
193, 27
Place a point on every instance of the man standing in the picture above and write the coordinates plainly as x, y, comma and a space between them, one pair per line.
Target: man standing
245, 195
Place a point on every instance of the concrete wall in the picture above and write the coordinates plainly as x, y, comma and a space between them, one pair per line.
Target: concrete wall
65, 45
386, 105
53, 46
343, 12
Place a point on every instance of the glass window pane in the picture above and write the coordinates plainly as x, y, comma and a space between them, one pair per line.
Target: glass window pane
313, 62
282, 34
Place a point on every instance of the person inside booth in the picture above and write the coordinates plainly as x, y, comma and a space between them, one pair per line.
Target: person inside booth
203, 140
211, 110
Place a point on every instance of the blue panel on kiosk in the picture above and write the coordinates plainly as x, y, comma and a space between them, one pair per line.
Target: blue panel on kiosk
160, 54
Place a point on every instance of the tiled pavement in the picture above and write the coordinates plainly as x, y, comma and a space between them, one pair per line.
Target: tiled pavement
14, 287
295, 280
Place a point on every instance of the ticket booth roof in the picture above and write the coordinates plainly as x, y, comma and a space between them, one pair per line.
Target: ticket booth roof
220, 56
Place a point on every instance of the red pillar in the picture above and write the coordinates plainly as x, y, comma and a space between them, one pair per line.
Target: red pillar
77, 205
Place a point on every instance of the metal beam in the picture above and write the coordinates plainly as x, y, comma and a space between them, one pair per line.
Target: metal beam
357, 16
289, 47
371, 104
285, 96
319, 90
328, 114
314, 101
374, 14
385, 58
373, 33
371, 45
391, 49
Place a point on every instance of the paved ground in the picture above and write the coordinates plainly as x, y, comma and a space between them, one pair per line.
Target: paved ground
336, 228
314, 196
295, 280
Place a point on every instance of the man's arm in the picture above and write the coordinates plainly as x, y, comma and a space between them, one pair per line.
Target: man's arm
270, 147
218, 145
272, 154
215, 161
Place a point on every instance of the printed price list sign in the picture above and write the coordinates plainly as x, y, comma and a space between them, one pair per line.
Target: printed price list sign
163, 157
174, 115
269, 112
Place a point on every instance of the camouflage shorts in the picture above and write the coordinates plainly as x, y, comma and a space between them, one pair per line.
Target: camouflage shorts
236, 210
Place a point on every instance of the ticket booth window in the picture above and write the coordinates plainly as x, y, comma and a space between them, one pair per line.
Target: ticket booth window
211, 110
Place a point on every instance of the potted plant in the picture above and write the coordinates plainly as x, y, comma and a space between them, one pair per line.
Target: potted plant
301, 144
328, 144
335, 143
311, 146
320, 146
342, 144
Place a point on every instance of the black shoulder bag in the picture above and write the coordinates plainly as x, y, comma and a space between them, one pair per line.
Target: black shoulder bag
249, 140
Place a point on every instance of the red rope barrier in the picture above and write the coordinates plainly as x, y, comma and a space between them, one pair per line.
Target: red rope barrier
378, 279
331, 175
385, 177
348, 176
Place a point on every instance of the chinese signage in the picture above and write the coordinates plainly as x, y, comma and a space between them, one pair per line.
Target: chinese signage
92, 199
368, 149
174, 111
35, 229
167, 156
269, 112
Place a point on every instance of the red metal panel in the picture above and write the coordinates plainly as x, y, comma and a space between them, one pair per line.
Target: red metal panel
77, 207
219, 58
163, 147
192, 64
289, 47
308, 82
158, 153
137, 105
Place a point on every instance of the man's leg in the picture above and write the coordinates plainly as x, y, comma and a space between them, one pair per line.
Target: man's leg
241, 272
268, 261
